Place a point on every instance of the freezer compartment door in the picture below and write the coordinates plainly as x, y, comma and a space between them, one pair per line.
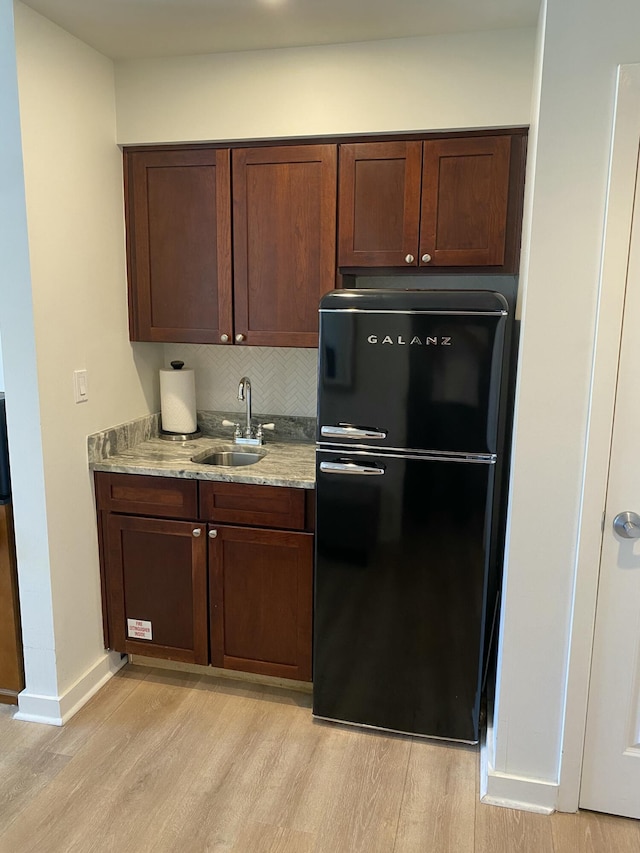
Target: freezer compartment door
424, 381
400, 588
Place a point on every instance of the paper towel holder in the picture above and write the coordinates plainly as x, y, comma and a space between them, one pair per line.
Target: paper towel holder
179, 436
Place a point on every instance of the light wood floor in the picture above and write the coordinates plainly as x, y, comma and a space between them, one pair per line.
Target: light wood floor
165, 761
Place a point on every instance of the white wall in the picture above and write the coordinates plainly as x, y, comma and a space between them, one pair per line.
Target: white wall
450, 81
73, 180
583, 46
21, 385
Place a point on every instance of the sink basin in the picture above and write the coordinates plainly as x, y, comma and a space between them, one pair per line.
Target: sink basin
229, 455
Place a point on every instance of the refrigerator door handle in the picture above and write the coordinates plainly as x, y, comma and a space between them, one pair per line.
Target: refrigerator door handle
350, 468
347, 431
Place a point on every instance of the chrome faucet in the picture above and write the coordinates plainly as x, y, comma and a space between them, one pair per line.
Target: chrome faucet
248, 435
244, 396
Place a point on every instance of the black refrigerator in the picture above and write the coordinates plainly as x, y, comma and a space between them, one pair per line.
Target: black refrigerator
410, 459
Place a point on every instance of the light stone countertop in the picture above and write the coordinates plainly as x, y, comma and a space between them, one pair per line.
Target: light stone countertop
286, 463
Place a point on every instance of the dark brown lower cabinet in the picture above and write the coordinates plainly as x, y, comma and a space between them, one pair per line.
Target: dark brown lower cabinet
157, 587
260, 592
237, 595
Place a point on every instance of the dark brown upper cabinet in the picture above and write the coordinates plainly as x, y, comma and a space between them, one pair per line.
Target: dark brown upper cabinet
379, 203
179, 245
448, 202
284, 241
186, 282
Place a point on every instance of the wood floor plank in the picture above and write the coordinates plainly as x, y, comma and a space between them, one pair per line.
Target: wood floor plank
16, 734
163, 762
32, 754
291, 797
100, 789
230, 774
220, 765
500, 830
362, 814
262, 838
312, 779
68, 739
590, 832
438, 805
25, 772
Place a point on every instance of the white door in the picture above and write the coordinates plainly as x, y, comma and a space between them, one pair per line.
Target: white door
611, 765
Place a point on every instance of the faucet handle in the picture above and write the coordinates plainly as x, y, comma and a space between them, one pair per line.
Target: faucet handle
262, 427
237, 431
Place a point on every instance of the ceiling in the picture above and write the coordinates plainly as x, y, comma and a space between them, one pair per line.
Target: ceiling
123, 29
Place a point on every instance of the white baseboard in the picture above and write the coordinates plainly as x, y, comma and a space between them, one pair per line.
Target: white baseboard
56, 710
510, 791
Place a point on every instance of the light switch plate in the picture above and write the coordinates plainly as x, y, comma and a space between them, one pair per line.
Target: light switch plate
80, 387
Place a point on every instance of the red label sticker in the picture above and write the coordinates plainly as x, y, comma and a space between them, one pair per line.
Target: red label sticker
139, 629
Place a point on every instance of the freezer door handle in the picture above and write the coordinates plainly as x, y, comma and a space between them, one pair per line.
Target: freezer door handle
348, 431
350, 468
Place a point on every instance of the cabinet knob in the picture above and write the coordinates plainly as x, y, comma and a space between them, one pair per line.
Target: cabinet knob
213, 534
409, 259
426, 258
196, 532
224, 338
240, 337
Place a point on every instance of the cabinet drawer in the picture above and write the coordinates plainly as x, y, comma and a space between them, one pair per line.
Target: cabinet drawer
136, 494
263, 506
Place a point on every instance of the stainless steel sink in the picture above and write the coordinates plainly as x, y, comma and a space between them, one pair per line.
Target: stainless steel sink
228, 455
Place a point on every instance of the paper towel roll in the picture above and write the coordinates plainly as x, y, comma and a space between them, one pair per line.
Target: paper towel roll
178, 400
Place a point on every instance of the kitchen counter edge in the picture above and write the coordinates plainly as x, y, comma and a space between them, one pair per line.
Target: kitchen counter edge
290, 463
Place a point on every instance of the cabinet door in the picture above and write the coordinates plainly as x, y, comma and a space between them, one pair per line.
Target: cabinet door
465, 194
284, 233
179, 245
261, 601
156, 579
379, 204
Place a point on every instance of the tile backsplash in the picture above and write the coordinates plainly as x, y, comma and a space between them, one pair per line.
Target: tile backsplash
283, 379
